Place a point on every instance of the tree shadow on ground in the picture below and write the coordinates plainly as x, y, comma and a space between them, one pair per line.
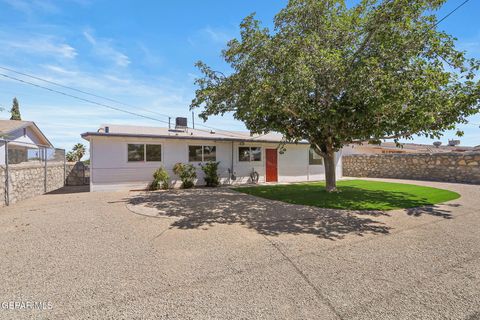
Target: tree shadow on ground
205, 207
433, 210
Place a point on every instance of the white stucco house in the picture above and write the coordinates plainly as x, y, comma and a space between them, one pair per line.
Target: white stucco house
125, 157
25, 141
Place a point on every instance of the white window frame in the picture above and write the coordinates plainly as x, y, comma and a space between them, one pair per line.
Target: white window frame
145, 152
250, 154
203, 154
315, 156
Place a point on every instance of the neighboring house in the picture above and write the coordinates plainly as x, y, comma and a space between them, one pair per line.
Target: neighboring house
390, 147
125, 157
25, 141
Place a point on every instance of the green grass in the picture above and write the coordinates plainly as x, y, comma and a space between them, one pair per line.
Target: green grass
354, 195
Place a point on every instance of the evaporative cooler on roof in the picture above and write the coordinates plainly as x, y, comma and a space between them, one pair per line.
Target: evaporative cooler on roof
180, 123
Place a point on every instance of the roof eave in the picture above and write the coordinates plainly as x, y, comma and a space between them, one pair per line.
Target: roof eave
87, 135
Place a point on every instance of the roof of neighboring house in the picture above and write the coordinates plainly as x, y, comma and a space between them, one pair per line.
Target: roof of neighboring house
189, 133
414, 148
9, 126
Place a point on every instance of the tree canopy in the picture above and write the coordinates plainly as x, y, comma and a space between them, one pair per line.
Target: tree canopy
76, 154
335, 75
15, 111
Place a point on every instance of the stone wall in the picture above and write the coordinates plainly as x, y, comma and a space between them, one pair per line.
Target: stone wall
78, 174
27, 180
448, 167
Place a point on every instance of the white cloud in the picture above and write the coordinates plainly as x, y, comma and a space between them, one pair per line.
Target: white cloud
38, 44
217, 35
105, 49
30, 7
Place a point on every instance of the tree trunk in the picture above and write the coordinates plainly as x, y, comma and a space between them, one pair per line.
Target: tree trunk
330, 174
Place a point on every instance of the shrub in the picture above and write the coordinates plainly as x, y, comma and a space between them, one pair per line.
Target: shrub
186, 173
160, 179
211, 175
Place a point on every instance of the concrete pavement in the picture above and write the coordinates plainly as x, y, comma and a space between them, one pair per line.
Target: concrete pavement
219, 254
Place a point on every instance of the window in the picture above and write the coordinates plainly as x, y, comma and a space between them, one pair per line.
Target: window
314, 158
194, 153
136, 152
139, 152
202, 153
209, 153
249, 154
153, 152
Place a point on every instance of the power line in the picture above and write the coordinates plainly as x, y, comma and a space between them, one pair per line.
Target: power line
450, 13
82, 99
97, 96
236, 135
80, 91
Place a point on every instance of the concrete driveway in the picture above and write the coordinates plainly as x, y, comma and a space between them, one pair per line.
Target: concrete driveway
219, 254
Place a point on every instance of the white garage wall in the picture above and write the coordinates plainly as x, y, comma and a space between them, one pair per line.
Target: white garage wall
110, 169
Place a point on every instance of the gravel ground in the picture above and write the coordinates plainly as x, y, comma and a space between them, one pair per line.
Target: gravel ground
219, 254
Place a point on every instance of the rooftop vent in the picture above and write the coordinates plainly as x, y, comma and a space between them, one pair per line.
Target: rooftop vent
180, 123
453, 143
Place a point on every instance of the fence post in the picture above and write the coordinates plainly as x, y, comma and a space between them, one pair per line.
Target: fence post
45, 170
7, 182
64, 169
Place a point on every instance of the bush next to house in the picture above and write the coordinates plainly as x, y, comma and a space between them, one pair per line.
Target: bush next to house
160, 179
186, 173
211, 175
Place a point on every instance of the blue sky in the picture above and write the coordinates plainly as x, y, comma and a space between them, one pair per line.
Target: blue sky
141, 53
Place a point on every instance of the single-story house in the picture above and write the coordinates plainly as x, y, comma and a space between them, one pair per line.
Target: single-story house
125, 157
25, 141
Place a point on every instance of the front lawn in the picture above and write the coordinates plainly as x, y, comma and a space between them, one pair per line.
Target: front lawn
354, 195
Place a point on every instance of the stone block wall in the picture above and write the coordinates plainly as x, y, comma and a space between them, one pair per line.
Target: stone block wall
448, 167
78, 174
27, 180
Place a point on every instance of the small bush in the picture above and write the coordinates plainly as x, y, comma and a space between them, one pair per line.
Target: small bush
211, 175
186, 173
160, 179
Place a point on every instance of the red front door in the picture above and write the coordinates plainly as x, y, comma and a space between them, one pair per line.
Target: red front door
271, 165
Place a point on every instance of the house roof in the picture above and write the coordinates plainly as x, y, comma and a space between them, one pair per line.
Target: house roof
9, 126
189, 133
417, 147
414, 148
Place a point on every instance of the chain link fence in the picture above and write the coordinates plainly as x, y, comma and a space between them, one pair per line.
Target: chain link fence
28, 170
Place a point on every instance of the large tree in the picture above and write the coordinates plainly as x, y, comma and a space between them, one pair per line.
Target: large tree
15, 111
335, 75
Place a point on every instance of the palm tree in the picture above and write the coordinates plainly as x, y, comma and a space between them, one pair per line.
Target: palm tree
79, 150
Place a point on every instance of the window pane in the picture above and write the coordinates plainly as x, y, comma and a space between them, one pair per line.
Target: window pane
209, 153
314, 158
135, 152
244, 154
154, 152
256, 154
194, 153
